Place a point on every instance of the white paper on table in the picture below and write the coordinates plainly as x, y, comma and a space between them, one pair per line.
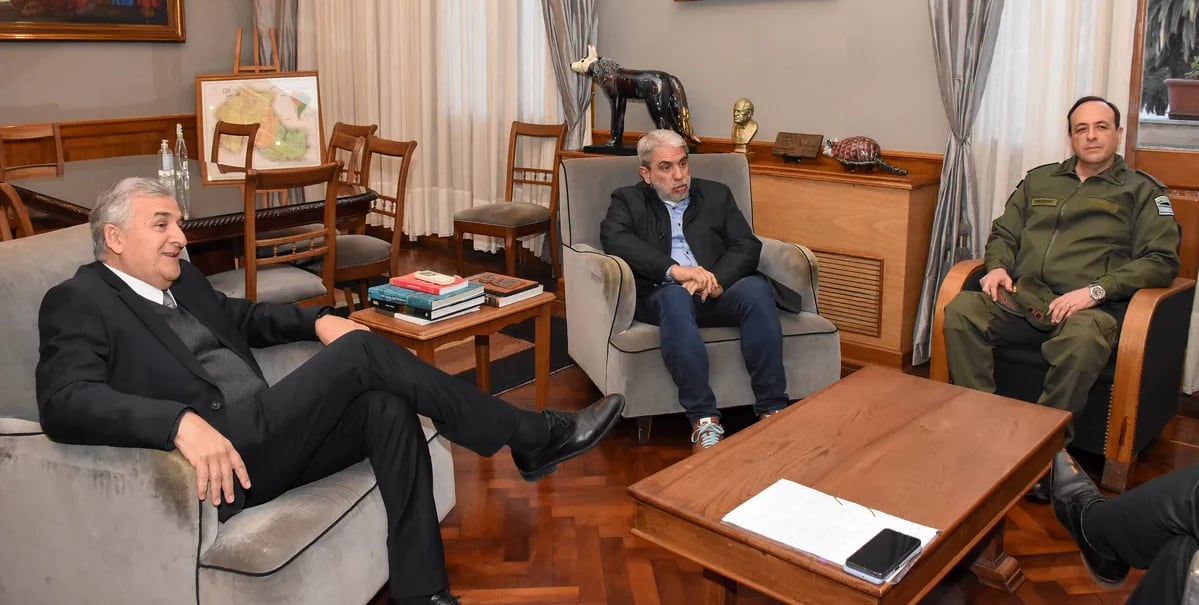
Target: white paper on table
821, 525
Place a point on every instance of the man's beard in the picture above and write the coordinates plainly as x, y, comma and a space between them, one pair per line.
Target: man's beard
670, 195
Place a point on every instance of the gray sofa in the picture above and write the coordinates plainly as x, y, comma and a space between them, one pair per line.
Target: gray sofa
620, 354
85, 524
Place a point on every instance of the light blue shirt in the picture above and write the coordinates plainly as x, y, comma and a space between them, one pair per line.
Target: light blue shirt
679, 250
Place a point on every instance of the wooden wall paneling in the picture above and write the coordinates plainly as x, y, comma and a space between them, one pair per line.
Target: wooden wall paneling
92, 139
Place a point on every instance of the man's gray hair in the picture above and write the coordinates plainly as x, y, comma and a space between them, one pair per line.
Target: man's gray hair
655, 139
115, 205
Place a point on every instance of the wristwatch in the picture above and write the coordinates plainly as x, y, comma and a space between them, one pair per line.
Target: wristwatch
1097, 292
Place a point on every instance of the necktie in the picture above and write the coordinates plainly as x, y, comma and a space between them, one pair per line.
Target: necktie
168, 300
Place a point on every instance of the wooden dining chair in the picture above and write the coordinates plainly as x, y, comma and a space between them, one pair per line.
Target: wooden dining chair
347, 144
14, 220
359, 256
274, 277
29, 136
512, 220
229, 129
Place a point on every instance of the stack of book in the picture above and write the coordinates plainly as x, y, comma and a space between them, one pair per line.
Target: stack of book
424, 297
500, 290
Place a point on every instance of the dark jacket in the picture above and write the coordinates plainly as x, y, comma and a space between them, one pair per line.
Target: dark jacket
111, 372
637, 229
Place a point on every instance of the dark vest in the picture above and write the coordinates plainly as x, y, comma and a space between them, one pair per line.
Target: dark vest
235, 378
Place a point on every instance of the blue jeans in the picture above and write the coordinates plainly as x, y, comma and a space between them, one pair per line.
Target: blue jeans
747, 304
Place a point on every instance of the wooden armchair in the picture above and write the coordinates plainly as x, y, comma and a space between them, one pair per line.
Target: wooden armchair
43, 134
14, 220
1135, 395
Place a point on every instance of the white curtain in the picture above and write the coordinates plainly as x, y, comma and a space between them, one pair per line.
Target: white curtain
1048, 54
450, 74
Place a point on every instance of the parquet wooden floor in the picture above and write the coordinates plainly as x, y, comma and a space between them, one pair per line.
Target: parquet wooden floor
566, 539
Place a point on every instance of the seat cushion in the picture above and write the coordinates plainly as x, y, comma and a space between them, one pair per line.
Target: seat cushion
644, 337
505, 214
354, 250
276, 284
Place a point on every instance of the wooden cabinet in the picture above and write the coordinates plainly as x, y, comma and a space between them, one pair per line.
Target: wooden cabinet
870, 233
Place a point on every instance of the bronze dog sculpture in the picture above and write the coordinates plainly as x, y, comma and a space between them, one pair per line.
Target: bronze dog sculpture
663, 94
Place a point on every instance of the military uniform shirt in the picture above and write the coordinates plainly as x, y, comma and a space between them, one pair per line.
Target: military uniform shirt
1116, 229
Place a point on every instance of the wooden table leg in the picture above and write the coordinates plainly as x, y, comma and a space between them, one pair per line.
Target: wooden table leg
483, 362
424, 352
995, 568
718, 590
541, 350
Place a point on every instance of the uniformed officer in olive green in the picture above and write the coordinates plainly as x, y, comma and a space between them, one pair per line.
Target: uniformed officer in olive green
1075, 242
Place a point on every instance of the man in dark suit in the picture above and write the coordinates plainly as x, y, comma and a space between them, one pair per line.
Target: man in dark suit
138, 350
695, 260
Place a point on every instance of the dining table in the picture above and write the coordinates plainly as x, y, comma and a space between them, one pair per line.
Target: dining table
215, 219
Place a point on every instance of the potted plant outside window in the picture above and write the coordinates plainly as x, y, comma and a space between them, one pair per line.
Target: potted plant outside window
1184, 94
1170, 47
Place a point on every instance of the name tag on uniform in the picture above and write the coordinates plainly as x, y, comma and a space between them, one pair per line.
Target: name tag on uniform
1163, 205
1043, 201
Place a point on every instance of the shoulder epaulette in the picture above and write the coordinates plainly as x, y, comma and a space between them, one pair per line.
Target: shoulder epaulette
1151, 178
1044, 166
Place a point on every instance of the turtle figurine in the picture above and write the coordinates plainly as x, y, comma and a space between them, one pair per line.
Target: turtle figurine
859, 152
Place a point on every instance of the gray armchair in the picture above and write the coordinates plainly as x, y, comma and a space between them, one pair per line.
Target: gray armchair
621, 355
87, 524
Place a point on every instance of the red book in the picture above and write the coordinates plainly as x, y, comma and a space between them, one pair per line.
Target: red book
412, 282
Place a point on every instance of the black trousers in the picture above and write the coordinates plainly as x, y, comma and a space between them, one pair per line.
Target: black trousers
359, 398
1154, 526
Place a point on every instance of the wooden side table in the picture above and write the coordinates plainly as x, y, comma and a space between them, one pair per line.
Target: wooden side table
481, 324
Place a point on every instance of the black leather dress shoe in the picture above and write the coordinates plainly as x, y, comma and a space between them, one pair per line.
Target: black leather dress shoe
1073, 493
571, 434
1039, 492
442, 598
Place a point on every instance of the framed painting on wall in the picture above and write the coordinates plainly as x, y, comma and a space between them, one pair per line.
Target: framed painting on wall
286, 106
92, 20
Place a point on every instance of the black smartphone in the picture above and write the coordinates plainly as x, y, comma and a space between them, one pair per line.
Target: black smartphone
883, 554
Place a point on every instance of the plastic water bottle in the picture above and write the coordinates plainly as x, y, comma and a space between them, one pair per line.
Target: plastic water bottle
182, 178
166, 166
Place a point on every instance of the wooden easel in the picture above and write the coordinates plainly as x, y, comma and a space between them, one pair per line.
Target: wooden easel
256, 67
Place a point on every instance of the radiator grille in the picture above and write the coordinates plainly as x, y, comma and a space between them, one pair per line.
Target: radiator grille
851, 291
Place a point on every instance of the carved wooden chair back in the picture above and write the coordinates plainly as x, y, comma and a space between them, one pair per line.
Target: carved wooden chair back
27, 137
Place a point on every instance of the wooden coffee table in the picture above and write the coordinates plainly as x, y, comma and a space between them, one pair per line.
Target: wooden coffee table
481, 324
933, 453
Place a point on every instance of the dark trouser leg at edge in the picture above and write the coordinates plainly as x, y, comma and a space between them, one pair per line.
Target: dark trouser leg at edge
1138, 524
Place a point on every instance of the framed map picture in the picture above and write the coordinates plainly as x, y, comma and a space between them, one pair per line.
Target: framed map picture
285, 106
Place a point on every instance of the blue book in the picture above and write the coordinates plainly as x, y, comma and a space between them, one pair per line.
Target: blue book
422, 300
